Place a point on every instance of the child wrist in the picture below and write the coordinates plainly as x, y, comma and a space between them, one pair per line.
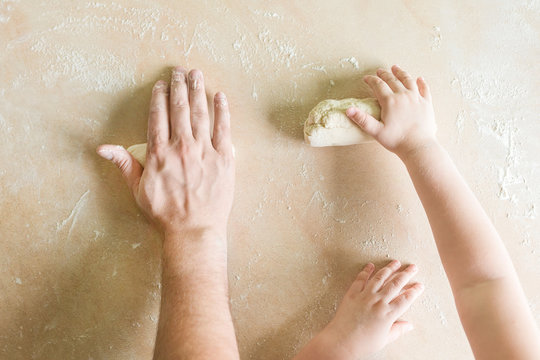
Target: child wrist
416, 151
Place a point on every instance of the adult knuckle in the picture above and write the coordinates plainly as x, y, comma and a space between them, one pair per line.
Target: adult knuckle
198, 112
157, 144
184, 146
156, 109
180, 103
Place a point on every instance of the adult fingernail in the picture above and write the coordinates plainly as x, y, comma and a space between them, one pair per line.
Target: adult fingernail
351, 111
195, 77
177, 75
106, 154
161, 84
221, 99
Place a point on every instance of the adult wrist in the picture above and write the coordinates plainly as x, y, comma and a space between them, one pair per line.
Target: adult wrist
194, 250
202, 242
194, 233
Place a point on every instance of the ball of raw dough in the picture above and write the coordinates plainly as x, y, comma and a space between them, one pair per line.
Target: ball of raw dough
327, 124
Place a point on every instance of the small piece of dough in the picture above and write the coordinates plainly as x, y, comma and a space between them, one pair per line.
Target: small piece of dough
327, 124
139, 152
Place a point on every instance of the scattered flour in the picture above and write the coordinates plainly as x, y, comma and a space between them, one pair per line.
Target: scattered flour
95, 70
137, 22
436, 38
243, 50
432, 305
489, 87
460, 123
97, 234
282, 51
6, 8
268, 14
74, 215
495, 104
351, 60
313, 66
203, 39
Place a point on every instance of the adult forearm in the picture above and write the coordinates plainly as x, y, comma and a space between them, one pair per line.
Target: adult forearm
469, 246
195, 320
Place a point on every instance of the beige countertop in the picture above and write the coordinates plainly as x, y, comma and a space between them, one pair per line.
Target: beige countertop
79, 264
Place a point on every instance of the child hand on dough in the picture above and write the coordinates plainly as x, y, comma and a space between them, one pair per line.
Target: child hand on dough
483, 280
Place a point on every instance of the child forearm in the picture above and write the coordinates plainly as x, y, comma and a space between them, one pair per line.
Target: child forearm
487, 292
470, 248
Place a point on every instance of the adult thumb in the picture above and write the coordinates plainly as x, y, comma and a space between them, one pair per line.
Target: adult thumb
129, 167
368, 123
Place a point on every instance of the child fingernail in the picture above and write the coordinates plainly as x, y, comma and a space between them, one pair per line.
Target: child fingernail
351, 111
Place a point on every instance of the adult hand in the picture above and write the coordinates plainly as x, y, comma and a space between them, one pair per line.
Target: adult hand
187, 183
